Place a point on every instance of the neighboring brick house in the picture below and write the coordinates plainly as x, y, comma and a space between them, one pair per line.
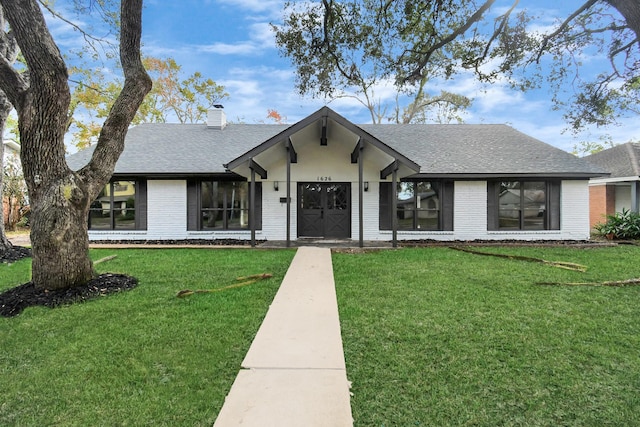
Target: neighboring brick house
327, 178
620, 189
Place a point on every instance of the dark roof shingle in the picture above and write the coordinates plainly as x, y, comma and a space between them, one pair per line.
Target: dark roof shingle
157, 149
620, 161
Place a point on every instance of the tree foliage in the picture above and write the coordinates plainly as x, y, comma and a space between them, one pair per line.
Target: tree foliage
173, 97
365, 43
351, 49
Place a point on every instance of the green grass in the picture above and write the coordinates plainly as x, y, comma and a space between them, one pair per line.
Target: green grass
436, 337
142, 357
432, 337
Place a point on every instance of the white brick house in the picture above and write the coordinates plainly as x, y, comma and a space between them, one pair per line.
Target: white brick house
325, 177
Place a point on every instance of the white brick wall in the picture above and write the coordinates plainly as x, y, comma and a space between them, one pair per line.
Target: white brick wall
167, 209
574, 217
167, 216
470, 210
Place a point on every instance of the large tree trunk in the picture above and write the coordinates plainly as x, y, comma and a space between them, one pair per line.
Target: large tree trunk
59, 197
59, 239
630, 10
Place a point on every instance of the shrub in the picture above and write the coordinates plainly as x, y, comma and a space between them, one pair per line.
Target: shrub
622, 225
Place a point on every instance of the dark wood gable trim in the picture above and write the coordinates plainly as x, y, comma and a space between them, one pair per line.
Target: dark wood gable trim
322, 114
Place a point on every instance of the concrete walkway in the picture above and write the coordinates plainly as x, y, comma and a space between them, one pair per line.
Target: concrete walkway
294, 373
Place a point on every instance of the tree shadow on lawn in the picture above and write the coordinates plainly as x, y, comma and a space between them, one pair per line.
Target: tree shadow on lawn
13, 301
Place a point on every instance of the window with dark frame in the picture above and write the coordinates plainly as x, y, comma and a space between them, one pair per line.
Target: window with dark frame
214, 205
524, 205
420, 205
224, 205
115, 207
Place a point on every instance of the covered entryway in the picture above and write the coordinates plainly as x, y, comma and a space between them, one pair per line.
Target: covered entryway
313, 166
324, 210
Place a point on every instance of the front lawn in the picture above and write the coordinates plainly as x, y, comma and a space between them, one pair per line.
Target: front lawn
436, 337
142, 357
432, 336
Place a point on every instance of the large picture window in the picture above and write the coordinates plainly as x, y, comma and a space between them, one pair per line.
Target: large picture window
224, 205
420, 205
117, 207
221, 205
524, 205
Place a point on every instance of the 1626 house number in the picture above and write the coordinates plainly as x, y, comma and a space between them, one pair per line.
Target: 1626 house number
324, 178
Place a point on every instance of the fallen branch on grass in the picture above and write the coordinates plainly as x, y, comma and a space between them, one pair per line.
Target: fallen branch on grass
559, 264
629, 282
247, 280
256, 276
105, 259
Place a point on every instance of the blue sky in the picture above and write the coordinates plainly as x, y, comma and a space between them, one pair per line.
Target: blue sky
231, 42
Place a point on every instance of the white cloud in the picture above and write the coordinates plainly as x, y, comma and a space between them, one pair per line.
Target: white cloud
271, 7
262, 34
239, 48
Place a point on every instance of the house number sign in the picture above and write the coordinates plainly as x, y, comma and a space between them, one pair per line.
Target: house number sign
324, 178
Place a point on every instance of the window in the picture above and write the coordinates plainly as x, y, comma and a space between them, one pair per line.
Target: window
220, 205
524, 205
420, 205
121, 205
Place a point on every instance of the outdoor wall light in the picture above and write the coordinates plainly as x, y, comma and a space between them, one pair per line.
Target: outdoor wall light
275, 186
366, 186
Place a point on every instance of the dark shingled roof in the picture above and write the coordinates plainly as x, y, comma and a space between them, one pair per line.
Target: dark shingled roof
174, 149
163, 148
620, 161
478, 149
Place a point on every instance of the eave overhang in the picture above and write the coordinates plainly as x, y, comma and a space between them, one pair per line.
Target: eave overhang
322, 115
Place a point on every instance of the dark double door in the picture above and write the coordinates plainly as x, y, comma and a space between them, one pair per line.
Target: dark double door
324, 210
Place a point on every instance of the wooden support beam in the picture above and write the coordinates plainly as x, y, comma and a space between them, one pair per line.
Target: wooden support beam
293, 156
252, 207
290, 159
355, 154
323, 137
358, 158
258, 169
393, 167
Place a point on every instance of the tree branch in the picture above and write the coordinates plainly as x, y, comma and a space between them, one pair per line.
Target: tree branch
40, 52
450, 38
136, 85
12, 83
562, 27
88, 37
626, 47
497, 31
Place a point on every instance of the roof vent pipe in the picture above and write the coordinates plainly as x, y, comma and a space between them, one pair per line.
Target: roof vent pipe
216, 117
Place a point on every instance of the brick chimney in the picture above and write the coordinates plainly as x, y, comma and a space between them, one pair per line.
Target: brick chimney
216, 117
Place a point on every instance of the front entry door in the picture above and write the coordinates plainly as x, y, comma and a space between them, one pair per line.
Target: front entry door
324, 210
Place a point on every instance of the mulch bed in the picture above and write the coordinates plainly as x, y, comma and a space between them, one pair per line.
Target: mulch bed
507, 243
14, 300
14, 254
183, 242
